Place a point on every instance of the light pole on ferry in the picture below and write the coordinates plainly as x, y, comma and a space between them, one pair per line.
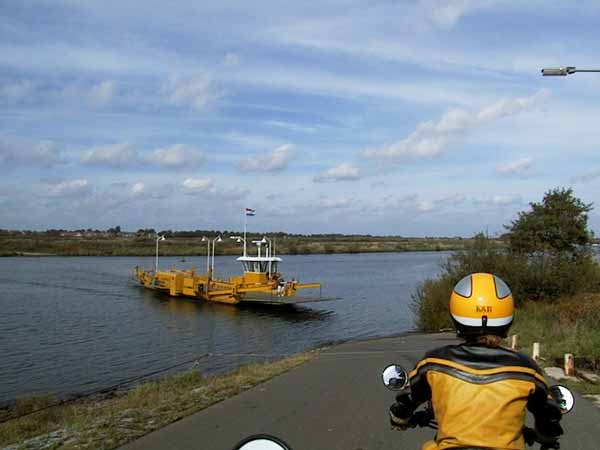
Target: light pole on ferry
205, 239
238, 239
259, 245
158, 238
269, 251
564, 71
215, 240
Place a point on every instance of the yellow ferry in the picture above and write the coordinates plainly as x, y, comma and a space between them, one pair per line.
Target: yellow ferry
260, 283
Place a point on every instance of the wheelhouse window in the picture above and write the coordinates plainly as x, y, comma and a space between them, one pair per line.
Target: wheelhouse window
260, 266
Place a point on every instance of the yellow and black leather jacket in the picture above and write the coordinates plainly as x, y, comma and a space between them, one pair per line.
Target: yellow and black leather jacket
480, 395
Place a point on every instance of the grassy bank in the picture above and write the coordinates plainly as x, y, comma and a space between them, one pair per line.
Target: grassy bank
568, 326
41, 244
110, 422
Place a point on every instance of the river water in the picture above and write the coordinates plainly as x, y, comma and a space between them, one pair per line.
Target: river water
71, 325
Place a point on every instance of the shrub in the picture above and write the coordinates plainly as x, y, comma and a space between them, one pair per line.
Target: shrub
537, 278
430, 304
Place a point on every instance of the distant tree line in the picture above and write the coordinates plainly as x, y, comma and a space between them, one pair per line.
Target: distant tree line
148, 232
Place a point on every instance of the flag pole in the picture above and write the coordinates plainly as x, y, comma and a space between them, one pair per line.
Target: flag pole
245, 226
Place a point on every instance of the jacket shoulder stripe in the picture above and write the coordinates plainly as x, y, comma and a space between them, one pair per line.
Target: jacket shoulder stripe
484, 379
502, 371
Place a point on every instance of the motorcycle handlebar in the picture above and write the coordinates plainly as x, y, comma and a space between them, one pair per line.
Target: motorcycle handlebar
531, 437
423, 418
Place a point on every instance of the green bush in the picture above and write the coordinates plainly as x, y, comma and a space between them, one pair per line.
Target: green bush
536, 278
430, 304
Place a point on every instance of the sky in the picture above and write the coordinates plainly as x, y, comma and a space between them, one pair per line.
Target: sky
413, 118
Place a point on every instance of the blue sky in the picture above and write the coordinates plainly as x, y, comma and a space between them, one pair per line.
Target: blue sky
414, 118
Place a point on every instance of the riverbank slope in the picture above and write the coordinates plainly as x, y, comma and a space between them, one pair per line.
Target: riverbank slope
42, 244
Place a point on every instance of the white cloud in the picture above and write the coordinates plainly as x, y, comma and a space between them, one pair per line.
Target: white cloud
24, 153
446, 13
520, 166
430, 139
292, 126
275, 161
197, 92
176, 156
123, 155
198, 185
323, 82
231, 60
117, 156
503, 200
138, 188
424, 205
400, 32
102, 93
343, 172
74, 57
73, 188
412, 202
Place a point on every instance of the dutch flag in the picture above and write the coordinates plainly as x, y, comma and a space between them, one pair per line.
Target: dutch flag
250, 212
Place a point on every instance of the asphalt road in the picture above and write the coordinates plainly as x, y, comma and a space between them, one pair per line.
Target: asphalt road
336, 401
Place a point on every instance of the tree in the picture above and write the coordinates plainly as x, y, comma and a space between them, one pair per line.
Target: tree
556, 226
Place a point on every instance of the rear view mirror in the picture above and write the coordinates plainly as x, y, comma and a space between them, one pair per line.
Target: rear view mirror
395, 377
564, 398
262, 442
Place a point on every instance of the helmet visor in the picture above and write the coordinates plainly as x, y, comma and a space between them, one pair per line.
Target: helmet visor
464, 287
502, 289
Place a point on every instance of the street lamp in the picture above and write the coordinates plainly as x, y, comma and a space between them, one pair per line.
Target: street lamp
205, 239
563, 71
215, 240
158, 238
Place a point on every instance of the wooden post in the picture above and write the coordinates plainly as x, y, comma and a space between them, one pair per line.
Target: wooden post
514, 341
536, 351
569, 365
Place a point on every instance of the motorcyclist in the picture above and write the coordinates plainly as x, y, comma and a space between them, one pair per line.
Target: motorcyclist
479, 390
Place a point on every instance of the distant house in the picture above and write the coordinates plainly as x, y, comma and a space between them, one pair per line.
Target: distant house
71, 234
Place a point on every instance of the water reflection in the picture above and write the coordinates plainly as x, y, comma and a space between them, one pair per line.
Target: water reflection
194, 307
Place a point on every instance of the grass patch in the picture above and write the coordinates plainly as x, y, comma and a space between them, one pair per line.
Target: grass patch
568, 326
110, 422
